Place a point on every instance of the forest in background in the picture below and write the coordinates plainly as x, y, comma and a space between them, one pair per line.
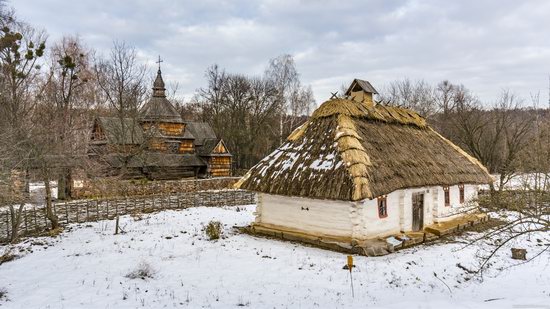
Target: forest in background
50, 92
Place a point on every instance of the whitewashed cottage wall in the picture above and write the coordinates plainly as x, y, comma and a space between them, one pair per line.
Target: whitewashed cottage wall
358, 220
312, 216
443, 213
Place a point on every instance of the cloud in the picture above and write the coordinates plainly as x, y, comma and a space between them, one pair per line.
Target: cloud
485, 45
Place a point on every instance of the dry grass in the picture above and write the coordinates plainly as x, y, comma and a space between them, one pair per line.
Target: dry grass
213, 230
7, 256
3, 294
143, 271
55, 232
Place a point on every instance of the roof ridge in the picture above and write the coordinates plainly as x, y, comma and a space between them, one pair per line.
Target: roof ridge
355, 157
378, 112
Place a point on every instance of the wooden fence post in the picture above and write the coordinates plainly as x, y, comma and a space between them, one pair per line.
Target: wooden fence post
35, 220
7, 226
67, 212
45, 219
116, 225
77, 212
87, 211
97, 210
26, 228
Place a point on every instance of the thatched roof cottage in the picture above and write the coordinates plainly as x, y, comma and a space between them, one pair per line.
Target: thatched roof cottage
358, 170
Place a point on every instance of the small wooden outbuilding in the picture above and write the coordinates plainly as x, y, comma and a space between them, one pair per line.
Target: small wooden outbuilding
357, 170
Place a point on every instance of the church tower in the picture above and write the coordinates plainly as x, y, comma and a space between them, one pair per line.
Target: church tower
163, 124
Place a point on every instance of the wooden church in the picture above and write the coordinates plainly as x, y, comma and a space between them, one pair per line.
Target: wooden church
158, 143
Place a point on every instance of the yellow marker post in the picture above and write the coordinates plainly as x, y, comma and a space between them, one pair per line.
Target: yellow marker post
350, 266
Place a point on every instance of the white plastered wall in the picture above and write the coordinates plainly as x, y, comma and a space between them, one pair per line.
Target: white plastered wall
443, 213
376, 226
358, 220
311, 216
399, 219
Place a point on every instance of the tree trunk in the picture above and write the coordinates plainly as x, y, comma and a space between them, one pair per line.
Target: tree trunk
494, 194
27, 181
281, 129
61, 183
15, 221
501, 182
64, 185
49, 211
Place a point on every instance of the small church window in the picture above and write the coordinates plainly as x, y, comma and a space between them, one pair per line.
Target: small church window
461, 190
173, 147
382, 207
447, 196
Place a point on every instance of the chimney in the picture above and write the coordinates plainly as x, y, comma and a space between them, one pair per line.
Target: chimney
361, 91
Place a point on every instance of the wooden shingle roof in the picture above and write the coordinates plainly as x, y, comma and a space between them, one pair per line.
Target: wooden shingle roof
359, 84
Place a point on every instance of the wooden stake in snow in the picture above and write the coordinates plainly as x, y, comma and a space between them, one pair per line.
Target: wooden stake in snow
116, 226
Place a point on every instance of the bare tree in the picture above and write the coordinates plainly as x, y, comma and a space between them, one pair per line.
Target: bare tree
11, 187
121, 80
294, 100
495, 137
526, 206
21, 50
68, 94
418, 96
243, 110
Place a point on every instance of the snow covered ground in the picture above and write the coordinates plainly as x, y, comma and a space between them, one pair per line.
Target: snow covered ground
86, 267
522, 181
37, 194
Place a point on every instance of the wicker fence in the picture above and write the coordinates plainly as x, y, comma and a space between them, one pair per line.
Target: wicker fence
34, 219
107, 187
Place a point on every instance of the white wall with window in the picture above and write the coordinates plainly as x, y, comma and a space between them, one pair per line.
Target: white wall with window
386, 215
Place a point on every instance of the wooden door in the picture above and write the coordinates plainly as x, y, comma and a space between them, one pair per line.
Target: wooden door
418, 211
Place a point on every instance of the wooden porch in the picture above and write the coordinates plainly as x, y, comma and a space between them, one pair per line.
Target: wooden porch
436, 230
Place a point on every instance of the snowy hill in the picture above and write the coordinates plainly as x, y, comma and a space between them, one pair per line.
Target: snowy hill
88, 267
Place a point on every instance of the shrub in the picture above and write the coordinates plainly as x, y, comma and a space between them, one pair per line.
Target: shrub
214, 230
7, 257
3, 294
143, 271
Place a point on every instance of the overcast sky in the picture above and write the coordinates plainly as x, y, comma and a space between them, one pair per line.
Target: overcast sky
485, 45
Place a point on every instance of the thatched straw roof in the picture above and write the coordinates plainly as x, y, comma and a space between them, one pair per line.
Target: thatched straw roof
351, 151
